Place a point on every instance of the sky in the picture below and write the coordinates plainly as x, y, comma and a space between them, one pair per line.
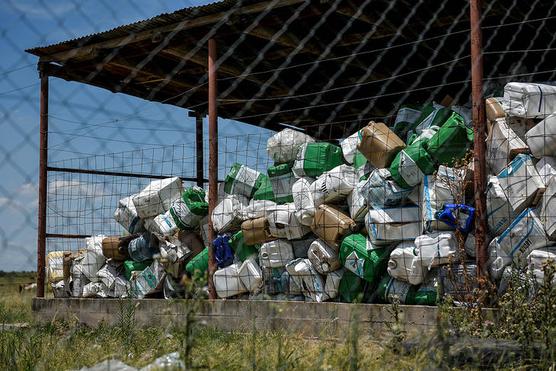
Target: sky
84, 121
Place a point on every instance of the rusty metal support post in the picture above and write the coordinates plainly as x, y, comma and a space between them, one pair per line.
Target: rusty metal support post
43, 162
479, 127
213, 158
200, 150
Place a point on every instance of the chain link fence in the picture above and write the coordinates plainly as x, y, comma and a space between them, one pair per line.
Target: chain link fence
326, 68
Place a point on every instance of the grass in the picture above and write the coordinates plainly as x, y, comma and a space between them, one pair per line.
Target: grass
63, 345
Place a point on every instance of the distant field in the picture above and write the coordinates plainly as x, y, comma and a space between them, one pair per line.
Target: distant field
15, 306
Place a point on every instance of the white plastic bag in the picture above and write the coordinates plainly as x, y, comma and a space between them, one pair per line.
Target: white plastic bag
282, 147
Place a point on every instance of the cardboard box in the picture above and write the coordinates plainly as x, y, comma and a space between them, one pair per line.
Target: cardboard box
379, 144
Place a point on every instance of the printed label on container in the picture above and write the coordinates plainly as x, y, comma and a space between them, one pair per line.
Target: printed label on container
355, 264
409, 170
184, 216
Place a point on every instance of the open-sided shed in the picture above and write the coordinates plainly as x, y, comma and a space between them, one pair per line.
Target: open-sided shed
326, 67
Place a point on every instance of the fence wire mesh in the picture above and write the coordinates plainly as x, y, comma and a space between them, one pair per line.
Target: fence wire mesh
345, 146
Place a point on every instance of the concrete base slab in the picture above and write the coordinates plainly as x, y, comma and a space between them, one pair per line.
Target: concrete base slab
309, 319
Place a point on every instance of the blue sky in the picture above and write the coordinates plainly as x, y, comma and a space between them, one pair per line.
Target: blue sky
73, 108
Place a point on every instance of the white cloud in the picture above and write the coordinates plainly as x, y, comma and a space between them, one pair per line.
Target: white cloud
28, 189
75, 188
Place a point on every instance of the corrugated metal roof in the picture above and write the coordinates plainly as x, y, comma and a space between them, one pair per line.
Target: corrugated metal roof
163, 19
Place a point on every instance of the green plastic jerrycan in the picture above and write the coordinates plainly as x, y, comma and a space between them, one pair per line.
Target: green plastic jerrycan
356, 257
242, 250
451, 142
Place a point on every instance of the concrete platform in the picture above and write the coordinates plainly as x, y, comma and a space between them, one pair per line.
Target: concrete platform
308, 319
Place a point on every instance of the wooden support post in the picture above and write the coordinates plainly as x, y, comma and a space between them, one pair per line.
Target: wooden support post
479, 148
43, 177
213, 158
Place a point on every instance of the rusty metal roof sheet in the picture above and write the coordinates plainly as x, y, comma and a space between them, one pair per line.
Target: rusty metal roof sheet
143, 25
